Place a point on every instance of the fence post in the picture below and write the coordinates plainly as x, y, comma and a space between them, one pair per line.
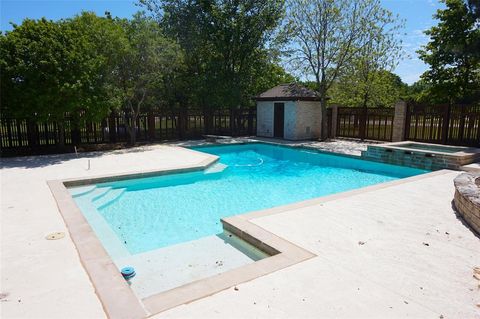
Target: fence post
151, 126
399, 121
32, 133
207, 121
445, 124
76, 135
362, 125
461, 132
333, 130
250, 122
233, 122
182, 123
112, 132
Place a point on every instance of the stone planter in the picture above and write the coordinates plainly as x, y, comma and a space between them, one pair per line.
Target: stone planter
467, 198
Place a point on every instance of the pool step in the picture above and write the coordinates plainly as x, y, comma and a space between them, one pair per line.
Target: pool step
98, 193
110, 196
82, 190
216, 168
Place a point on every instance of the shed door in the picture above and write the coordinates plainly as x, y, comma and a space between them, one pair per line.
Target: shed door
278, 119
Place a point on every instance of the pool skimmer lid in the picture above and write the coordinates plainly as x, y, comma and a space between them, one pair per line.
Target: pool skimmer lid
55, 236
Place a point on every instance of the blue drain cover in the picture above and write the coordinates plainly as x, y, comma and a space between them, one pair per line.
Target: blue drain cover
128, 272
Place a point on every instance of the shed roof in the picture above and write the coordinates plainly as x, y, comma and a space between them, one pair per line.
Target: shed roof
288, 92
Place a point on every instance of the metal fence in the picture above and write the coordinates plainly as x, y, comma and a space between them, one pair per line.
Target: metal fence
21, 134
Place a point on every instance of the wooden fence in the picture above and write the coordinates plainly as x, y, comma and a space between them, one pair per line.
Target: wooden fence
365, 123
444, 124
456, 124
18, 134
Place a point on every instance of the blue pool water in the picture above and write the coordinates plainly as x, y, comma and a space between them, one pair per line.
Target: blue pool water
150, 213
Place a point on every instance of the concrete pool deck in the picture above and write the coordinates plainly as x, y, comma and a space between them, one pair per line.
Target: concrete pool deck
398, 251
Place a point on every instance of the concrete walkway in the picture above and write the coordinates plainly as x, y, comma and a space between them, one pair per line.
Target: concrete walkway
397, 252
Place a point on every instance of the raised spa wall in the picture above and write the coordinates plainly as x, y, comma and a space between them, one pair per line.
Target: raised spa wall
400, 154
467, 198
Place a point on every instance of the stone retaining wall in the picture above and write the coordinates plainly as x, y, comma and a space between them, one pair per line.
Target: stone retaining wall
467, 198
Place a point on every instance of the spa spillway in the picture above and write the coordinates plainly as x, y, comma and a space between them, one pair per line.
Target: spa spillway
422, 155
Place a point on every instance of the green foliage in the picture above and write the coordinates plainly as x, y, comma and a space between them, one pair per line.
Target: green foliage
367, 80
207, 54
35, 76
51, 68
384, 90
417, 92
453, 54
352, 39
268, 75
226, 45
145, 64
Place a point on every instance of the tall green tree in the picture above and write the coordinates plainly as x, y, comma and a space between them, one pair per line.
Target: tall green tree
146, 63
327, 35
225, 43
52, 68
184, 21
367, 80
453, 54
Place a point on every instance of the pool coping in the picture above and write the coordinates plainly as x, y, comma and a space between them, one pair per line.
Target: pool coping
300, 145
118, 299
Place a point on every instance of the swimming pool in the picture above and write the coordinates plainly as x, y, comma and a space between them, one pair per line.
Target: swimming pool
154, 212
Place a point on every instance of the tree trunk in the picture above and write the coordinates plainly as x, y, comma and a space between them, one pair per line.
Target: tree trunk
365, 100
323, 108
132, 131
32, 133
132, 128
133, 136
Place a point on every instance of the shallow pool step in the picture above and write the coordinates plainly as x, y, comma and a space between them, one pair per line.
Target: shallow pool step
111, 196
98, 193
81, 190
216, 168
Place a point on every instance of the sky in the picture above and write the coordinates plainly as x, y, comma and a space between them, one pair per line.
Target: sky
416, 13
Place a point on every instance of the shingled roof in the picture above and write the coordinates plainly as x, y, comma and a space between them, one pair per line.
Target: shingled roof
289, 92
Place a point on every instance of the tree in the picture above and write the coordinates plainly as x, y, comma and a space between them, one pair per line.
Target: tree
268, 75
453, 54
146, 63
37, 83
383, 89
52, 68
328, 34
367, 79
239, 32
225, 44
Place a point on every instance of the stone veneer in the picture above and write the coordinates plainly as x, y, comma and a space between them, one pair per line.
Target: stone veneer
467, 198
400, 154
